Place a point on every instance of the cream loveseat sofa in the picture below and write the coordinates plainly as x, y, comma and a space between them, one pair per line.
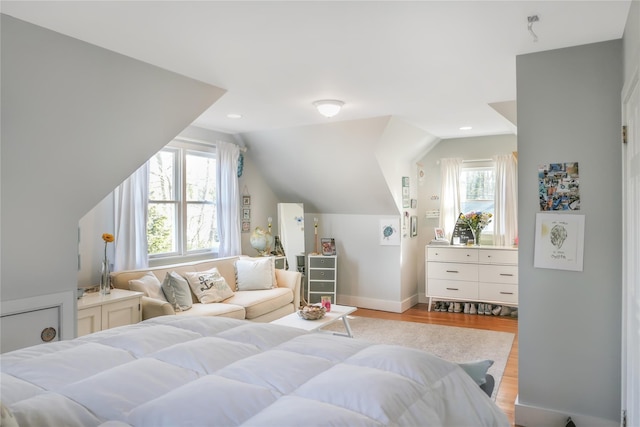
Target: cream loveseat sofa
260, 305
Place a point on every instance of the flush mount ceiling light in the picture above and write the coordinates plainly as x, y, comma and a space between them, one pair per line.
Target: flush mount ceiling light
328, 107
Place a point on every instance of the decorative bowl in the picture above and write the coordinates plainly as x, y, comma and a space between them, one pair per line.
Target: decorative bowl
312, 312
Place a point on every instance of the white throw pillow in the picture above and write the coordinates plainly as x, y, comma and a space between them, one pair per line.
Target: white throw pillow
209, 286
255, 273
149, 284
177, 292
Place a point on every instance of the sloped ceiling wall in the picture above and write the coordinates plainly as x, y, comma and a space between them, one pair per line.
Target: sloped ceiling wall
339, 167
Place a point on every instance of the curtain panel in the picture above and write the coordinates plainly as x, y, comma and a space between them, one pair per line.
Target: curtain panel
449, 194
228, 199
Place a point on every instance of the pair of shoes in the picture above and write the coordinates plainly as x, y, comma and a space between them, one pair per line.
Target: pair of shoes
457, 307
496, 310
487, 309
514, 312
472, 309
480, 308
506, 311
467, 307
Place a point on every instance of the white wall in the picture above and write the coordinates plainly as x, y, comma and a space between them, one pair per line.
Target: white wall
483, 147
569, 322
76, 121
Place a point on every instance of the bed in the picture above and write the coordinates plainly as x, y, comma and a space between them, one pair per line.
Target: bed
214, 371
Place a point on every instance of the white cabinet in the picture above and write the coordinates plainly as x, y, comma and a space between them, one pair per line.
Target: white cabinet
322, 275
483, 274
97, 312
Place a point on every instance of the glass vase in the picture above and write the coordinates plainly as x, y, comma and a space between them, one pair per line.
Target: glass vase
476, 237
105, 280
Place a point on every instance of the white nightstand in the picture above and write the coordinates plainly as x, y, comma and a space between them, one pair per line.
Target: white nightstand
98, 312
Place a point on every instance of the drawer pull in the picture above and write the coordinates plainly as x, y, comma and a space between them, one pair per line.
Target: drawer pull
506, 274
453, 289
506, 293
452, 271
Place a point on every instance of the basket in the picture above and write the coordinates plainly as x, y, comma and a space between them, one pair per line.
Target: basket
312, 312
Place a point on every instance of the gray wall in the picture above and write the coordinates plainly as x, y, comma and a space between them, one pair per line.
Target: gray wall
569, 324
76, 121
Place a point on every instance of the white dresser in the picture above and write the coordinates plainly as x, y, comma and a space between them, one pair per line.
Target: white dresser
465, 273
97, 312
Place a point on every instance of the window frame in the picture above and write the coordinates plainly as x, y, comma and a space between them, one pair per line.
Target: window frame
182, 148
480, 165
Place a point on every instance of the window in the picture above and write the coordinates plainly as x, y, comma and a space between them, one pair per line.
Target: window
477, 191
182, 201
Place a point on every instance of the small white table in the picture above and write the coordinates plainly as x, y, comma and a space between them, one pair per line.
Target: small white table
338, 312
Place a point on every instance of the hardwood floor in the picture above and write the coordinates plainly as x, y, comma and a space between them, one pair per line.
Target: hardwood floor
508, 388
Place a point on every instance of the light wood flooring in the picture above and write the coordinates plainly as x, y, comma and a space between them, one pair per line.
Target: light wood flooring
508, 388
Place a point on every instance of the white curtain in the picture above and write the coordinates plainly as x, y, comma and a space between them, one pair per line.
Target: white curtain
130, 221
505, 224
228, 199
449, 194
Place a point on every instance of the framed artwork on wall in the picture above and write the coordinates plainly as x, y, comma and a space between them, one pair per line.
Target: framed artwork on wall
414, 226
559, 241
389, 231
246, 200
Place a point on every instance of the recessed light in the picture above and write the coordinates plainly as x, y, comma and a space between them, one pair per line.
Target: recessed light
466, 128
234, 116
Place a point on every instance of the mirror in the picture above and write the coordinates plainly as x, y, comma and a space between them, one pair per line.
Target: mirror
291, 230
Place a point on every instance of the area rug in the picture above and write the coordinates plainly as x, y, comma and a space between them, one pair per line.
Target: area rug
451, 343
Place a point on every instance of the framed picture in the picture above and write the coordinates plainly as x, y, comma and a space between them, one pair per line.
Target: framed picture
439, 233
246, 226
559, 241
246, 214
246, 200
328, 246
414, 226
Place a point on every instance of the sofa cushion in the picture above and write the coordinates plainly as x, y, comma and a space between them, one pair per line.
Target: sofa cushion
255, 273
224, 310
209, 286
177, 292
149, 285
258, 303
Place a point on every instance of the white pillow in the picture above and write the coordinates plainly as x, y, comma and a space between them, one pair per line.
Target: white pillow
149, 284
255, 273
209, 286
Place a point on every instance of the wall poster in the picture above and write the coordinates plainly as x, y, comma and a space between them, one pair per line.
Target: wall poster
559, 241
389, 231
559, 187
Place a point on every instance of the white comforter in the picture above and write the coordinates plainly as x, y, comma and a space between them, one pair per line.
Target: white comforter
212, 371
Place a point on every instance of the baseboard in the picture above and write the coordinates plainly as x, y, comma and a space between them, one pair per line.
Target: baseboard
378, 304
530, 416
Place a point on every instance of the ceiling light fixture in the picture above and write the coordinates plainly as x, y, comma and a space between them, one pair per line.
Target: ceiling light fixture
466, 128
234, 116
328, 107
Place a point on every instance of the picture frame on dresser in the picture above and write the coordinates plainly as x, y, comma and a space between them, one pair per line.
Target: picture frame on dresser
328, 246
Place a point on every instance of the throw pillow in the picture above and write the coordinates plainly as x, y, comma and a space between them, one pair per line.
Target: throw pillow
477, 370
177, 292
149, 285
255, 273
209, 286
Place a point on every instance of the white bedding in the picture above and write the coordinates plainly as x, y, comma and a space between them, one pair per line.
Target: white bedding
214, 371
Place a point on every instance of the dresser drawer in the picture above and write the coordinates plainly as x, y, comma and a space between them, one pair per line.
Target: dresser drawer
322, 262
452, 254
492, 256
497, 292
322, 274
315, 286
452, 271
452, 289
499, 274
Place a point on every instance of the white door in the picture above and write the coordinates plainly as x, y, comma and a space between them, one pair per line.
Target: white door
631, 254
